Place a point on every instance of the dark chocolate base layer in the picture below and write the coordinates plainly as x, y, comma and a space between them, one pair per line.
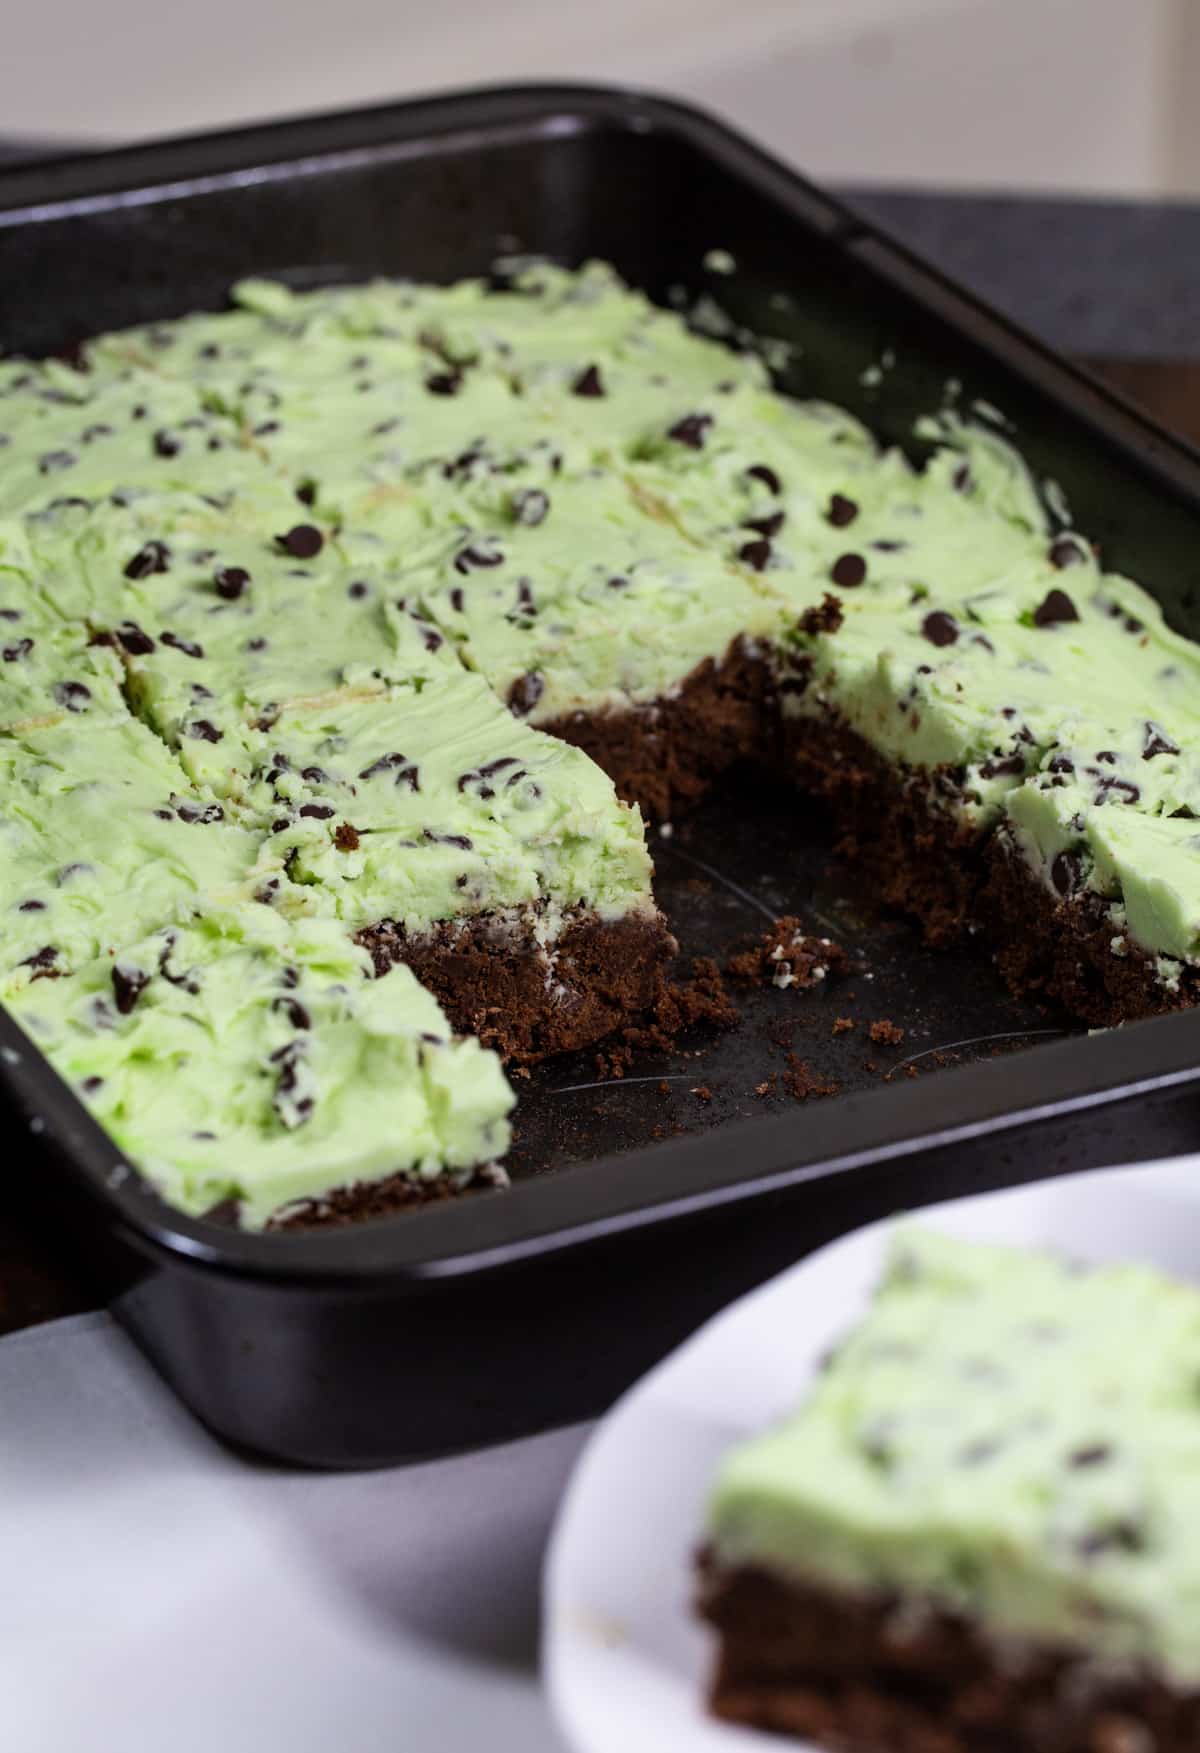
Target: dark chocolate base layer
367, 1199
664, 756
926, 863
1061, 949
878, 1675
493, 979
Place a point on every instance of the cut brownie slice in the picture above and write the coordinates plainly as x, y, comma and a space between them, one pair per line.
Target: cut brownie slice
980, 1530
240, 1058
495, 860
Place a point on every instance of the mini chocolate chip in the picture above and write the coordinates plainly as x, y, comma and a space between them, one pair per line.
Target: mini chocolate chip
280, 823
755, 554
202, 813
150, 558
962, 479
90, 1085
296, 1013
54, 460
128, 986
303, 541
460, 841
848, 570
1108, 756
32, 907
189, 647
457, 599
134, 640
764, 473
692, 430
15, 653
1055, 606
205, 729
42, 960
840, 511
529, 507
357, 590
1065, 872
1128, 791
472, 556
166, 445
1064, 552
320, 811
1060, 764
1094, 1456
1120, 1536
230, 582
258, 644
525, 692
306, 492
940, 628
589, 382
444, 383
765, 526
1157, 742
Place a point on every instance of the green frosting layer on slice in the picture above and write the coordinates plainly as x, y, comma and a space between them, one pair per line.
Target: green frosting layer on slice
1004, 1435
102, 838
238, 1057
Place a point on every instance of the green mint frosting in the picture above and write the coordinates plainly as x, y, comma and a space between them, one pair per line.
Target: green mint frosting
1003, 1435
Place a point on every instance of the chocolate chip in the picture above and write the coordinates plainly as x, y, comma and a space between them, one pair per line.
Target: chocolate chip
756, 554
823, 617
128, 986
303, 541
315, 775
258, 644
840, 511
189, 647
473, 556
306, 492
1065, 552
406, 771
205, 729
1094, 1456
998, 764
42, 961
230, 582
1127, 791
460, 841
962, 480
55, 460
150, 558
457, 599
848, 570
525, 692
134, 640
1157, 742
1060, 764
32, 907
1054, 607
1120, 1536
589, 382
15, 653
618, 583
1065, 872
940, 628
529, 507
202, 813
357, 590
346, 838
444, 383
692, 430
765, 526
166, 444
764, 473
296, 1013
90, 1085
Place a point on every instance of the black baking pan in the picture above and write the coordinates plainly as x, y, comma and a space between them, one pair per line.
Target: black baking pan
638, 1206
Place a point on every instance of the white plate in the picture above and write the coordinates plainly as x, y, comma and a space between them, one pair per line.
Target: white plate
625, 1662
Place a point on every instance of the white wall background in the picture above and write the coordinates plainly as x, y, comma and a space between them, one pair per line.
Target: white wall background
1075, 94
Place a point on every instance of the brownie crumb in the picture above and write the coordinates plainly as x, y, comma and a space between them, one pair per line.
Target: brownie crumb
787, 956
886, 1033
680, 1006
823, 617
702, 1092
346, 838
842, 1025
613, 1061
804, 1084
765, 1087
